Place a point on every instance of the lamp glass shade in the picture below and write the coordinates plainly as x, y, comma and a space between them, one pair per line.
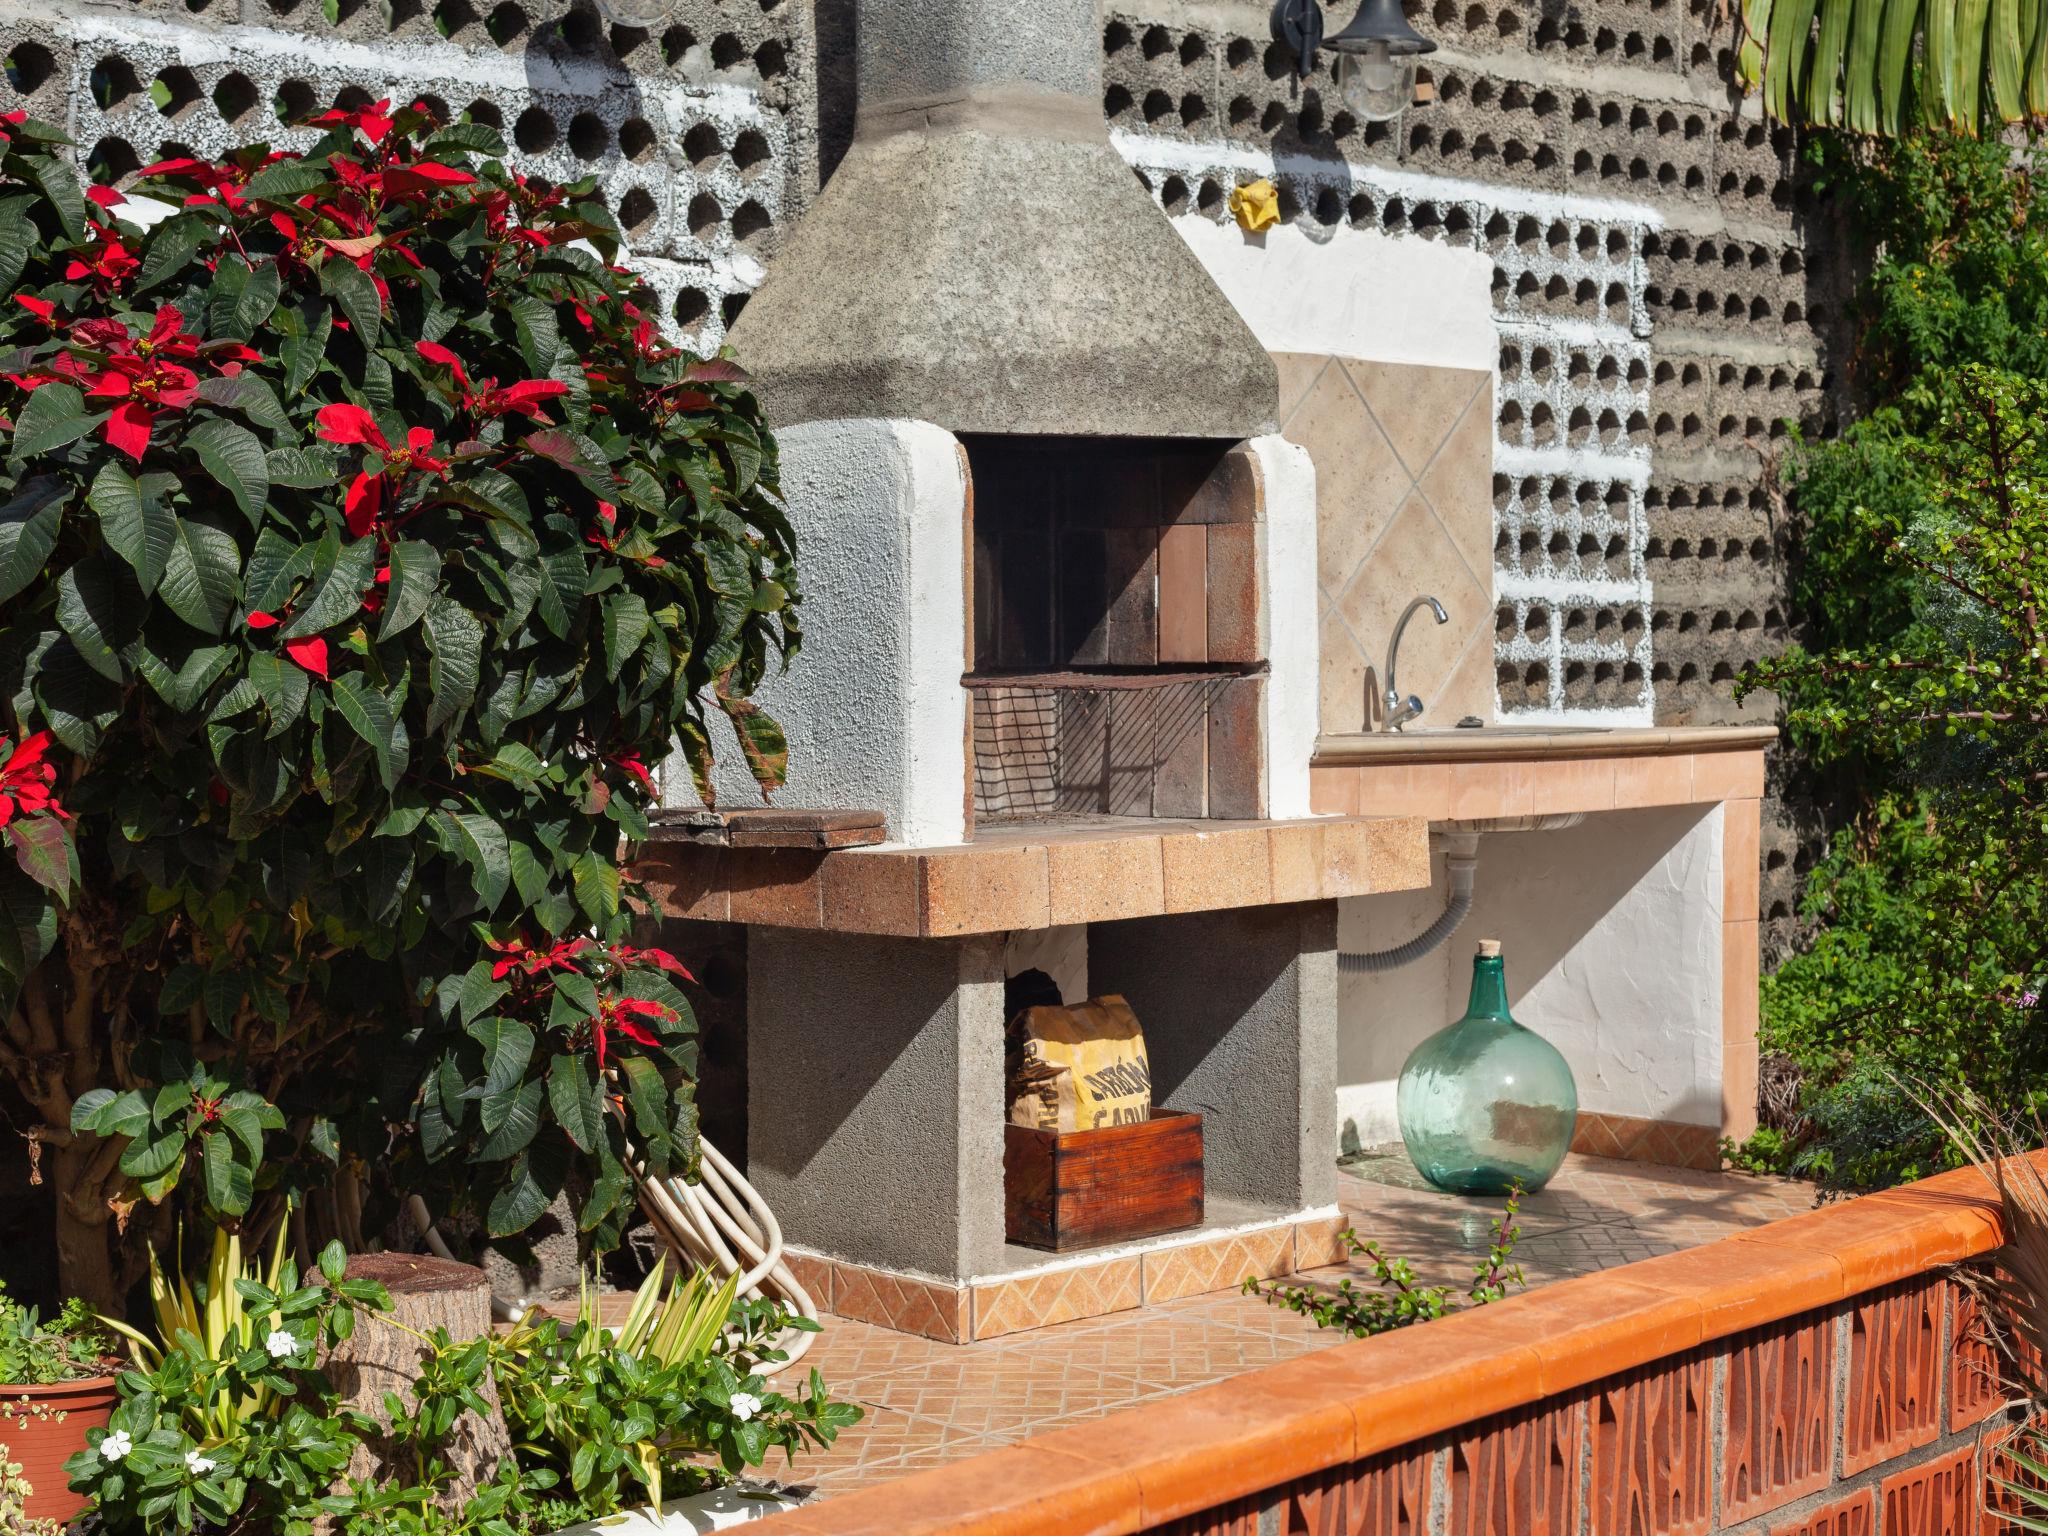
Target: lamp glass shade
1376, 84
1486, 1103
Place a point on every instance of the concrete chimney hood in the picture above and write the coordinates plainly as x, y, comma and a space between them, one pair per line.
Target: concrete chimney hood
984, 259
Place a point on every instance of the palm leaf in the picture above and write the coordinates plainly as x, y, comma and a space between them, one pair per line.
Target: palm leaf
1859, 92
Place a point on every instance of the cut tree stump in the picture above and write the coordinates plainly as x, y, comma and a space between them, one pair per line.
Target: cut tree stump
426, 1293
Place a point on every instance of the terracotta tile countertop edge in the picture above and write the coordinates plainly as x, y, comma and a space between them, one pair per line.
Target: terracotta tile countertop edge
1364, 749
1197, 1450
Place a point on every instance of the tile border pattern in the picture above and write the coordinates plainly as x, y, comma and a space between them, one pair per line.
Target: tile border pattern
1119, 1281
1622, 1393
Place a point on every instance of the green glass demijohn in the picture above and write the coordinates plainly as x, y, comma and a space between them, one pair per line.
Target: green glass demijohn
1486, 1103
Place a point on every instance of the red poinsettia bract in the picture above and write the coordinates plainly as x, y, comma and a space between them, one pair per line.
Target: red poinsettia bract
369, 495
28, 780
147, 376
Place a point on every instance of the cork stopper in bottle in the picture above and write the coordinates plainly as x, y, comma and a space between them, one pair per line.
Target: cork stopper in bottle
1489, 948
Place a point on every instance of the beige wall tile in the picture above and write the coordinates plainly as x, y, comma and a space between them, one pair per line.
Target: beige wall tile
1096, 882
1205, 871
1342, 679
684, 881
1298, 374
1402, 789
984, 890
1459, 484
1415, 406
1334, 791
777, 887
1645, 781
1741, 859
1360, 480
1297, 852
868, 892
1728, 776
1488, 789
1469, 690
1415, 557
1571, 784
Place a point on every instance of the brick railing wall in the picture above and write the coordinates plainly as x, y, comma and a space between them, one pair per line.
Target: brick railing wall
1819, 1376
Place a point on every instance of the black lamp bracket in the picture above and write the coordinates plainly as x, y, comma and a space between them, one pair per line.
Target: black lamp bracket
1299, 24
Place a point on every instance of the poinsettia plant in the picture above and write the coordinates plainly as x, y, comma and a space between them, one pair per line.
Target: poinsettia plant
362, 543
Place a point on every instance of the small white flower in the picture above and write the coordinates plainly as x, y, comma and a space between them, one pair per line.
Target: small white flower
282, 1346
745, 1405
116, 1445
199, 1465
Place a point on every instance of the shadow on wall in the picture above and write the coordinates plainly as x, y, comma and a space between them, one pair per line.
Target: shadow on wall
1612, 933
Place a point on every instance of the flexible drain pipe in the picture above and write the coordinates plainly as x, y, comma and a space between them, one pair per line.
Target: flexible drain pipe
1461, 864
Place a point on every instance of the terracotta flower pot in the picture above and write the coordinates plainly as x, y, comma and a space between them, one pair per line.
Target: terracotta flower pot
42, 1428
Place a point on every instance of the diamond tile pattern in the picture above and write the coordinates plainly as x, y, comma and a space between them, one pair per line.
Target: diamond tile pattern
1404, 490
931, 1402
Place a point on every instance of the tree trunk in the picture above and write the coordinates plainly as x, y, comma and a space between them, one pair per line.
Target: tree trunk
426, 1293
85, 1262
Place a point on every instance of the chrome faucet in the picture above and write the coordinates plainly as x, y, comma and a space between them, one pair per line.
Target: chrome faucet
1400, 711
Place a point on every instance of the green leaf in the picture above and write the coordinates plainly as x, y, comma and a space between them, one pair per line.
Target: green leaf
508, 1048
28, 925
455, 641
103, 1112
94, 613
533, 320
480, 843
136, 522
152, 1159
29, 524
479, 991
306, 348
597, 887
43, 850
203, 575
60, 185
415, 575
573, 1097
298, 469
172, 245
287, 180
371, 716
353, 289
625, 626
512, 1117
232, 456
229, 1183
338, 593
54, 417
529, 1188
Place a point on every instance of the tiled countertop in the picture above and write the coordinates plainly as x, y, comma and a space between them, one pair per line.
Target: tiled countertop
1037, 874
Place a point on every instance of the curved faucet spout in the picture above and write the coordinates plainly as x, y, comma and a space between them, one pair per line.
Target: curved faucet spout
1400, 711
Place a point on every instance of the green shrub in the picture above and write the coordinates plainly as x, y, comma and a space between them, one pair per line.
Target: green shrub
362, 545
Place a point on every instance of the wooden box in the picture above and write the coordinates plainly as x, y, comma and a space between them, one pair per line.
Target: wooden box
1081, 1189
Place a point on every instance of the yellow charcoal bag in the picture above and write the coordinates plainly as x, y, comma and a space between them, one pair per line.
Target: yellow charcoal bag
1078, 1068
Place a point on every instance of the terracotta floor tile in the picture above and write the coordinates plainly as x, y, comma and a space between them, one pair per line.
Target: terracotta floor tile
1005, 1390
932, 1403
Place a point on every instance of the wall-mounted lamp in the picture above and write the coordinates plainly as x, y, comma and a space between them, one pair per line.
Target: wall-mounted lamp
1375, 55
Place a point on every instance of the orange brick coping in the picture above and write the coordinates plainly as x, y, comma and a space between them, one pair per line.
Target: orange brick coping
1199, 1450
1037, 876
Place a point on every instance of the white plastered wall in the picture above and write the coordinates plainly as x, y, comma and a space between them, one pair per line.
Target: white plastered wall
874, 709
1354, 292
1612, 936
1287, 620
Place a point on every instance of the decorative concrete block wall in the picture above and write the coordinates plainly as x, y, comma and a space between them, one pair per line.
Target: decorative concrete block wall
1661, 291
